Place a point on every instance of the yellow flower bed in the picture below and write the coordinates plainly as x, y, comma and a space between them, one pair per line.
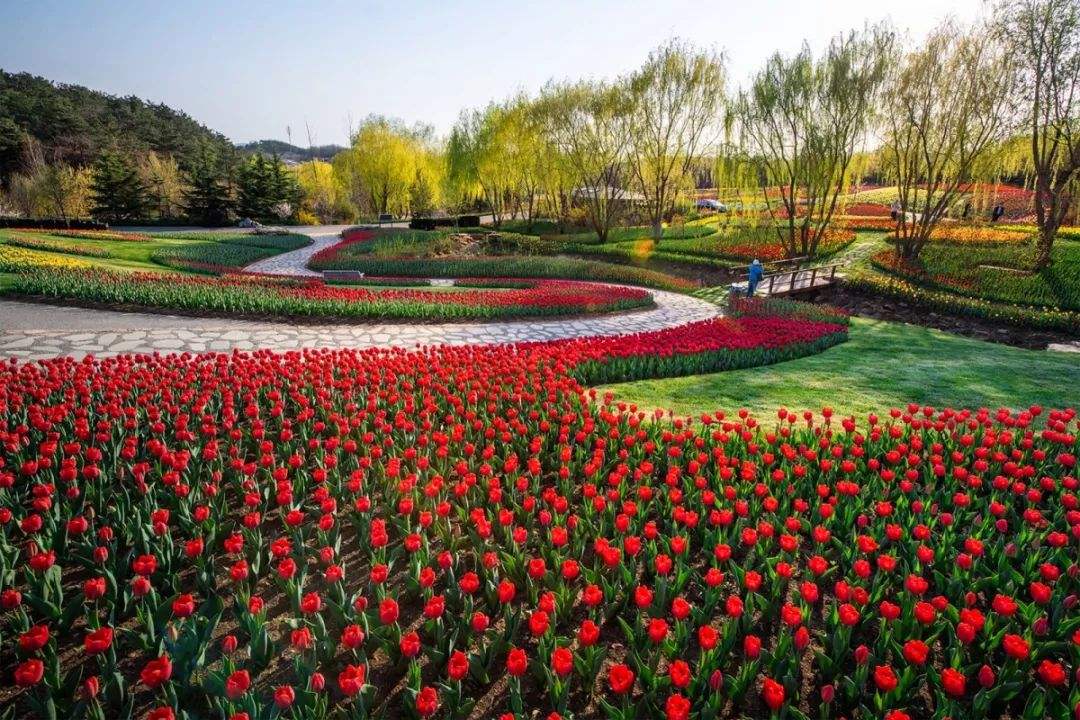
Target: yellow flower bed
18, 259
978, 235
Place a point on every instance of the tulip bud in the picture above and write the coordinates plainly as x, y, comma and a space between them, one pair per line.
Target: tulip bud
1010, 550
716, 680
91, 686
1070, 602
228, 644
318, 682
862, 654
1041, 626
802, 638
828, 692
986, 676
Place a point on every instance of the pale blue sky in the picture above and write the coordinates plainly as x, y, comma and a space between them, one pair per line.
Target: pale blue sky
249, 69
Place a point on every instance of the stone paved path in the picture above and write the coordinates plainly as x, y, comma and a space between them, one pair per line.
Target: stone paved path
294, 262
33, 331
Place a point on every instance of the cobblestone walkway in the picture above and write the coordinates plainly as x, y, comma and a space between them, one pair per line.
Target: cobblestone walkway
33, 331
294, 262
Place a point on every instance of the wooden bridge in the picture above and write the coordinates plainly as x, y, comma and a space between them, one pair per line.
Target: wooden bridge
791, 281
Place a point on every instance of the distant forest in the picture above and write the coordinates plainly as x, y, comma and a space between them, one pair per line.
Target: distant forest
290, 152
68, 152
75, 125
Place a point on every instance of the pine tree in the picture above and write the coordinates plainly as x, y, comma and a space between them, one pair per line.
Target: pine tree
284, 189
116, 193
266, 190
208, 201
254, 191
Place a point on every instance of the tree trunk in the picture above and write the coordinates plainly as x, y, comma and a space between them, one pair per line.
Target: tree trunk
1047, 233
657, 229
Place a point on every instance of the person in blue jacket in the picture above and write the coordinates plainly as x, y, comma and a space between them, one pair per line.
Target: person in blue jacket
756, 271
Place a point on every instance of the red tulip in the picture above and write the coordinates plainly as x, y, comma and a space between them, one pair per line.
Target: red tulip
458, 666
98, 641
772, 693
156, 672
954, 682
621, 679
29, 672
237, 684
284, 696
351, 679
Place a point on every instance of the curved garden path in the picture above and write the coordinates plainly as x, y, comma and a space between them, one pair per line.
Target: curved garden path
295, 262
33, 331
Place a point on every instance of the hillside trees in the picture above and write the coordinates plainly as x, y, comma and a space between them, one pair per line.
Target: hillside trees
75, 125
164, 182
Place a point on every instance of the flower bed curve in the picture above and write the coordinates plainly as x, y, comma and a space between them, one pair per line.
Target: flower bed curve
267, 295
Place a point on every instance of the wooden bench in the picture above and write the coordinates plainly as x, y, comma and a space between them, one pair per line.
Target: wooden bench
342, 275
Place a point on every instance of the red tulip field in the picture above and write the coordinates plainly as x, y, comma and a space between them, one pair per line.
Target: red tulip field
458, 532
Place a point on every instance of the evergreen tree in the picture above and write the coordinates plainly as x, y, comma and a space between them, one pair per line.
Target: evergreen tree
254, 193
285, 190
116, 193
266, 190
208, 200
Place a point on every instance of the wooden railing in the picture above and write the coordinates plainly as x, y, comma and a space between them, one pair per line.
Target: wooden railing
777, 264
787, 281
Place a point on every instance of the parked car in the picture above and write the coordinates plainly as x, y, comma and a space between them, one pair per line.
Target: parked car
711, 205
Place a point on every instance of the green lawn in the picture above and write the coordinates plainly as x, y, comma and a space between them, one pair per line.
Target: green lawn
883, 365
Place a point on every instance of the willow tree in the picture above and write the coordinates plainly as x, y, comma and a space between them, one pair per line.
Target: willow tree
948, 110
526, 147
479, 160
1044, 39
803, 120
677, 97
381, 164
589, 124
